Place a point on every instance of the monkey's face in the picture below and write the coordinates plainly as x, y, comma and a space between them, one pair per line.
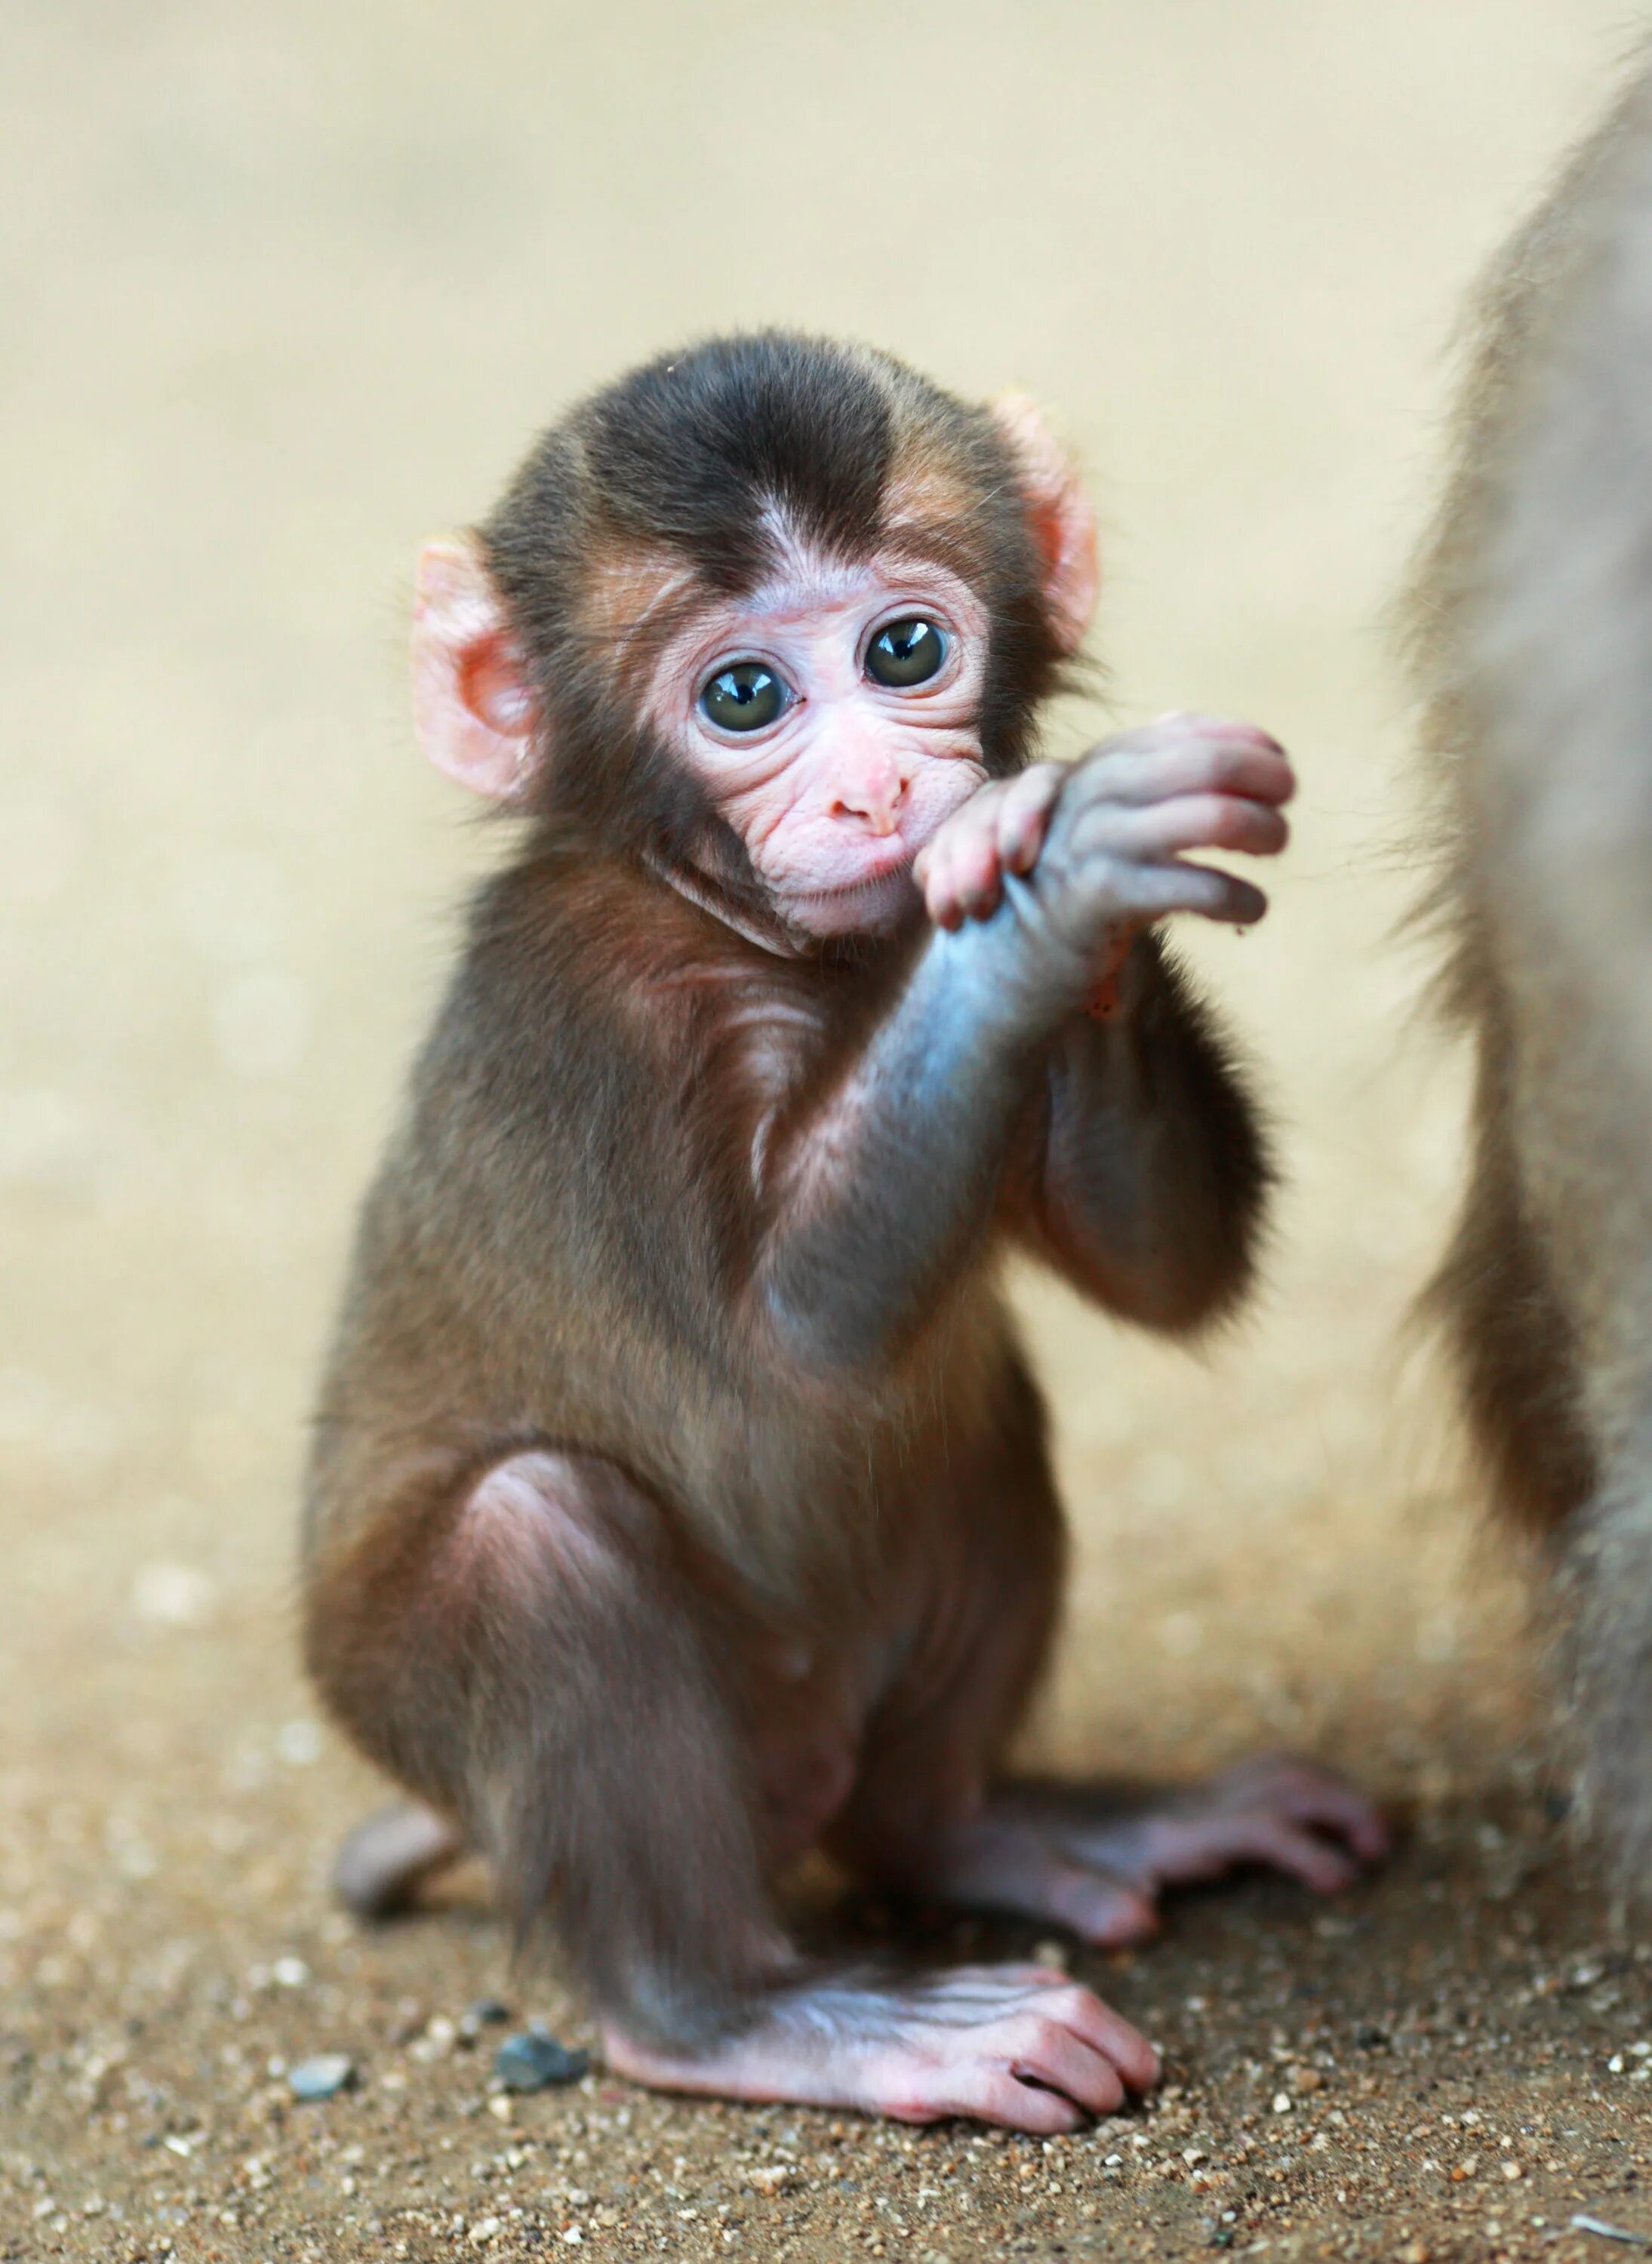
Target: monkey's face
832, 719
763, 614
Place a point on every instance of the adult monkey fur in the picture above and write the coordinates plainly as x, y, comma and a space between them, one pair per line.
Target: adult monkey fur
1533, 630
680, 1499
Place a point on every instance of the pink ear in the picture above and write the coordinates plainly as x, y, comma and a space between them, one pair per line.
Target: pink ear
472, 708
1063, 522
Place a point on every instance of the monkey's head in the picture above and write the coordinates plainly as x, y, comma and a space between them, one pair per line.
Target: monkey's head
765, 612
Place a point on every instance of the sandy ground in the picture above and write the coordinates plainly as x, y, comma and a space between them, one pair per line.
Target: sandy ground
285, 290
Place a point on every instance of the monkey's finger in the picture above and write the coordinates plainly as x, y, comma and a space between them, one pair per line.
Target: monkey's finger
1145, 892
1105, 2032
1102, 1910
1196, 821
1300, 1854
954, 898
1064, 2065
964, 879
1200, 724
1120, 772
933, 872
1039, 1993
971, 821
1024, 815
1308, 1795
1044, 2053
991, 2091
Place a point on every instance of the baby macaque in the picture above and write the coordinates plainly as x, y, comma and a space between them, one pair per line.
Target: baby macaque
681, 1500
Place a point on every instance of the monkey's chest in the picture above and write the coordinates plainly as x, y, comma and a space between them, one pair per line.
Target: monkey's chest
769, 1044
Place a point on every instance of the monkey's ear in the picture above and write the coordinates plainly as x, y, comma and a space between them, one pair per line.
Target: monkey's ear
1063, 522
472, 707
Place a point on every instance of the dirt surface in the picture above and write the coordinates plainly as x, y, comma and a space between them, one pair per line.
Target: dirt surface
287, 289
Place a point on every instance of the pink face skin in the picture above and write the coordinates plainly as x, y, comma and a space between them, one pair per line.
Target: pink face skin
834, 798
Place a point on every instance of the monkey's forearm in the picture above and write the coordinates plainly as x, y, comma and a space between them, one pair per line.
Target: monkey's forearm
1148, 1170
882, 1193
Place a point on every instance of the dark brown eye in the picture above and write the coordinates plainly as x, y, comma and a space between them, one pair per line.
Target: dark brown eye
745, 697
907, 652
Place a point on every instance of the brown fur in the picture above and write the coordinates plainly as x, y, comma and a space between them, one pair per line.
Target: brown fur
557, 1300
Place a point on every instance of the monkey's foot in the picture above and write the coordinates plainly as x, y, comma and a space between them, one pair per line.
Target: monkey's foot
1283, 1813
387, 1859
1019, 2045
1010, 1861
1097, 1863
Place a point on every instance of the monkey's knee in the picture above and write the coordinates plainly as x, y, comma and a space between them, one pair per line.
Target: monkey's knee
573, 1518
443, 1632
388, 1857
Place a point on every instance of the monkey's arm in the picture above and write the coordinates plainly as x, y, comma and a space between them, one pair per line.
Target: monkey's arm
879, 1190
1142, 1171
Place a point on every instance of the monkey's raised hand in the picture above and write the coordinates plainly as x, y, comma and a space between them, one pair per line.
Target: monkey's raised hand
1104, 841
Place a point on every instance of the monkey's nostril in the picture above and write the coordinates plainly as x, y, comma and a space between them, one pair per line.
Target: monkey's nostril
878, 806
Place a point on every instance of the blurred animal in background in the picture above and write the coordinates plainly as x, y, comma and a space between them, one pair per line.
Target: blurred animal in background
680, 1499
1533, 630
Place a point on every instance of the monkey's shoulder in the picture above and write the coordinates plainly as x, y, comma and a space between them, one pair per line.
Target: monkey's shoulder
579, 969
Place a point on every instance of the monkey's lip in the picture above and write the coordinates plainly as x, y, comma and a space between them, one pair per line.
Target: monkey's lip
877, 892
877, 869
874, 879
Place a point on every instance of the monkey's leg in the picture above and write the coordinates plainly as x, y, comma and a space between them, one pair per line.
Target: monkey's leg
1607, 1583
1515, 1352
534, 1659
921, 1821
927, 1817
527, 1653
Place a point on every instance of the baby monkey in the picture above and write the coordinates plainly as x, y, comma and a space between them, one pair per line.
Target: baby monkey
680, 1501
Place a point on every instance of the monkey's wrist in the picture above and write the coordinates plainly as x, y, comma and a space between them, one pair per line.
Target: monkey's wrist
1027, 973
980, 1001
1119, 979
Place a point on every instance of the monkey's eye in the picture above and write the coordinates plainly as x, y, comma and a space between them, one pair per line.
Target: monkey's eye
907, 652
744, 697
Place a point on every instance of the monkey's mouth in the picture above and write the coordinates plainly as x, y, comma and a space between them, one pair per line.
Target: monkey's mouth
871, 902
875, 869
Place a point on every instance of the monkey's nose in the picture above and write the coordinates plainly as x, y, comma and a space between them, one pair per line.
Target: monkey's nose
874, 798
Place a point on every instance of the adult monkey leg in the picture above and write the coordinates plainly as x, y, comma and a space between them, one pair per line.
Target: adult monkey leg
1532, 621
534, 1663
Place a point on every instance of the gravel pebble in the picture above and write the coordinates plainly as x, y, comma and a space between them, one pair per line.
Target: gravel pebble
531, 2060
321, 2078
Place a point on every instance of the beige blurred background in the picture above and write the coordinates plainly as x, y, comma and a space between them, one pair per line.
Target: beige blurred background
288, 288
